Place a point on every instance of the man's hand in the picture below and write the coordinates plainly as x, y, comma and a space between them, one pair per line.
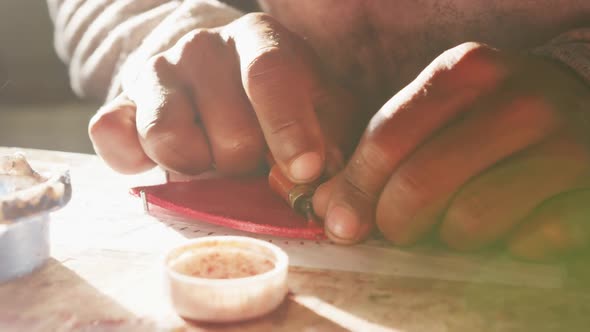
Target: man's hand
218, 98
478, 148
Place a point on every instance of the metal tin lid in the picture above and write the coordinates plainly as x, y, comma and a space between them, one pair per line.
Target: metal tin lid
226, 278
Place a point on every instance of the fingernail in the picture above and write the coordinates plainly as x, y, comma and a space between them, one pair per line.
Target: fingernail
306, 167
342, 223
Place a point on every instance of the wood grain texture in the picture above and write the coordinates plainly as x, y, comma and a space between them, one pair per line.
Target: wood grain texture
95, 282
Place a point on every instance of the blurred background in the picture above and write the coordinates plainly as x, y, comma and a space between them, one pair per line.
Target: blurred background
37, 107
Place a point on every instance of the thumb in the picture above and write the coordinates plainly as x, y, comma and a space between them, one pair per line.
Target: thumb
113, 134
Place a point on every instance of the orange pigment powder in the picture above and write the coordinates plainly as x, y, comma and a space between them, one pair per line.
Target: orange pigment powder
221, 263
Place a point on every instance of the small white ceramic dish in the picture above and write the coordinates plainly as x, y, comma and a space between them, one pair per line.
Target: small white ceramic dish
225, 278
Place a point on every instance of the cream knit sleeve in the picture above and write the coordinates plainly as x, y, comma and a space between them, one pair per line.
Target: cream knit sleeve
97, 38
572, 49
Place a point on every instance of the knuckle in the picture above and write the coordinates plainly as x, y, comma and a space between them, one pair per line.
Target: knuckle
470, 52
155, 133
408, 184
240, 143
148, 125
371, 166
112, 117
265, 68
534, 110
530, 103
101, 124
194, 46
154, 127
139, 75
289, 130
368, 170
168, 109
238, 153
168, 147
467, 213
474, 62
158, 64
356, 186
285, 127
198, 37
195, 42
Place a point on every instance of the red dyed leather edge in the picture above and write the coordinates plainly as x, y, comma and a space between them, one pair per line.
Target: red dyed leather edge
227, 202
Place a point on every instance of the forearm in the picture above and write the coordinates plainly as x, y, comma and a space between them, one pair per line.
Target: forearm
572, 49
96, 37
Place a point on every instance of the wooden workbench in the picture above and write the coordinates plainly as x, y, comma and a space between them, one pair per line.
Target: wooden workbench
103, 276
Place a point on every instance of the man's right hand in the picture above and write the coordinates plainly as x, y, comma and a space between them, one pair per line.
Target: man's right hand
219, 98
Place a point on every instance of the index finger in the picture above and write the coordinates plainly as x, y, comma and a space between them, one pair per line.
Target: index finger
279, 87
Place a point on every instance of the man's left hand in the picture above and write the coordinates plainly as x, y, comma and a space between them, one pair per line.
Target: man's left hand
483, 146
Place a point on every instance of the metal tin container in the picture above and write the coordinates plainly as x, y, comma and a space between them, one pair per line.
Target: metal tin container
26, 200
24, 246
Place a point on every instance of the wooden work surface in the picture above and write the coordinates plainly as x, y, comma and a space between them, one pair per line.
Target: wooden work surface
98, 279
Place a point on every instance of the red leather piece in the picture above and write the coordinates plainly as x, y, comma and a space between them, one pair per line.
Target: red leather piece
245, 204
